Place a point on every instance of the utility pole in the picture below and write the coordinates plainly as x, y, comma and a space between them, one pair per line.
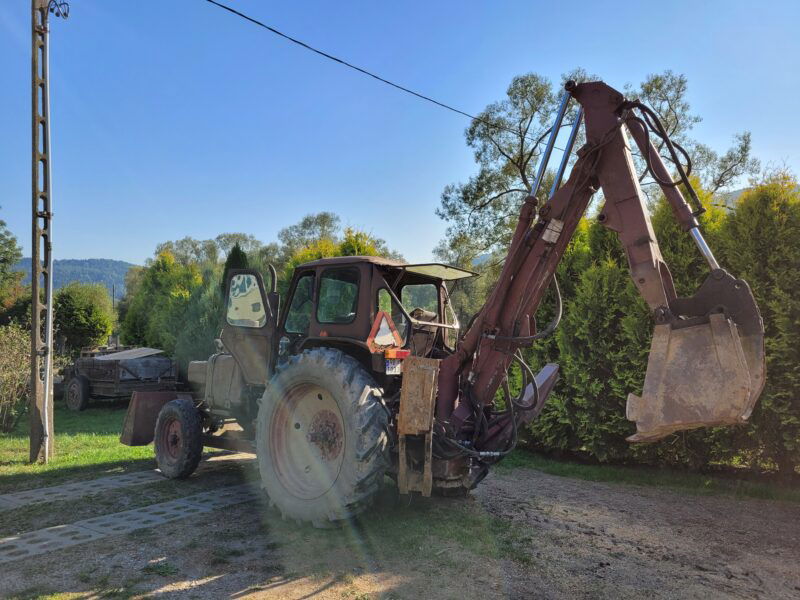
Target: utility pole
41, 403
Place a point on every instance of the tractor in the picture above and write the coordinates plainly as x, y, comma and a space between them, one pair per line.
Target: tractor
364, 373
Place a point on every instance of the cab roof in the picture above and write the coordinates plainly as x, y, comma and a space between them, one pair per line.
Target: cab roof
432, 270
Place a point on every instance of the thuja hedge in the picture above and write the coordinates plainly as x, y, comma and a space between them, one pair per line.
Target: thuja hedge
604, 337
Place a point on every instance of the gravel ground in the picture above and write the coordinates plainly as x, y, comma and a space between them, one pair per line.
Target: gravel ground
547, 537
620, 541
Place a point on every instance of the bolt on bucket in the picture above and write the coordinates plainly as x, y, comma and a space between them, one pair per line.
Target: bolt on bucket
707, 366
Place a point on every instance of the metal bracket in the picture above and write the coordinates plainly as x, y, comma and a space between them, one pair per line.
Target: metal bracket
552, 231
415, 425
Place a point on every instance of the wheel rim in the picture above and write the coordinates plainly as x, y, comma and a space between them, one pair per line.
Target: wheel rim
306, 440
172, 438
73, 394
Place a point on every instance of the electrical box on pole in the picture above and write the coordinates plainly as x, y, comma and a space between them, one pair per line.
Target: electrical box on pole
41, 402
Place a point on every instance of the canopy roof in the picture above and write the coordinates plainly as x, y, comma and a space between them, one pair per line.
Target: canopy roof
433, 270
439, 271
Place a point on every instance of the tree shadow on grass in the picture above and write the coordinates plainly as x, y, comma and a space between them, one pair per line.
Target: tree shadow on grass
57, 475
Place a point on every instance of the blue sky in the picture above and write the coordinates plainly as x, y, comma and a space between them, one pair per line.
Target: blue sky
175, 118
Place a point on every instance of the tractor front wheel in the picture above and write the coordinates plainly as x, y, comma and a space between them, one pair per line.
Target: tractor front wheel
321, 437
178, 438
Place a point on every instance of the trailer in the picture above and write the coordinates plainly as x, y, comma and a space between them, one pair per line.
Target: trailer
108, 375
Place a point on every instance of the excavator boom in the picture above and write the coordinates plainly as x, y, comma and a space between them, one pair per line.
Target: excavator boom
706, 364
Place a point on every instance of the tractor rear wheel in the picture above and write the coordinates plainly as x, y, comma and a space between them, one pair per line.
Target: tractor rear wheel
178, 438
322, 438
76, 394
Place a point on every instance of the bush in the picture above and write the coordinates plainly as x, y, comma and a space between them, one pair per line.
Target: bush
156, 310
203, 321
761, 244
604, 339
83, 315
14, 374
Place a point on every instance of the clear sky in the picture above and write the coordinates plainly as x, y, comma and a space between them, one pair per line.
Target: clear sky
174, 118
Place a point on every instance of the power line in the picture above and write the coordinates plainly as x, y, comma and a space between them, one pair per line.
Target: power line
373, 75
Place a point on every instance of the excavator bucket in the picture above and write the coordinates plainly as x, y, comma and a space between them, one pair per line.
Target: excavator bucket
706, 367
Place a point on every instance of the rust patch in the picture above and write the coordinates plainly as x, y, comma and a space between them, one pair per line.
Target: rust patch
325, 433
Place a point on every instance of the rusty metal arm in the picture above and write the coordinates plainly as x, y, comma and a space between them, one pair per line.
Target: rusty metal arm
688, 331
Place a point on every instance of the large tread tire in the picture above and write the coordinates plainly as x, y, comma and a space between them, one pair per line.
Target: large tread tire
76, 394
178, 438
364, 444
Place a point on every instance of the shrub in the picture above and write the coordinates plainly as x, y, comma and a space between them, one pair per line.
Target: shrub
761, 244
203, 321
155, 311
83, 315
14, 374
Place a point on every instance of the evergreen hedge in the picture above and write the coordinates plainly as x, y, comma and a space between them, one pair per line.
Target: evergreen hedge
604, 337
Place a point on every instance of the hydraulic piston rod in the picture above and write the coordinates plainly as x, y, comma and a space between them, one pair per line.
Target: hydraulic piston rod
551, 142
700, 242
567, 151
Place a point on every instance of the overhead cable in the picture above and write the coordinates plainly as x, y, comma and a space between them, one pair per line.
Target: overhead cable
369, 73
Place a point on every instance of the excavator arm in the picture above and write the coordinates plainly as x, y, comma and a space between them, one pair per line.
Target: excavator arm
706, 364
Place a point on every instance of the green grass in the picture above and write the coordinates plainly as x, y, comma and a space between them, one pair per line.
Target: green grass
693, 483
419, 531
86, 446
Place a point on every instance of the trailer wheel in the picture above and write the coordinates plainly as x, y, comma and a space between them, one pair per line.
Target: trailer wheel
322, 438
178, 438
76, 395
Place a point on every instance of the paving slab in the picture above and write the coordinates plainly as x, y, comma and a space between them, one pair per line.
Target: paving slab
79, 489
31, 543
8, 503
44, 540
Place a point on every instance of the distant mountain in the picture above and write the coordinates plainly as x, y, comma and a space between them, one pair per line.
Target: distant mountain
111, 273
481, 259
730, 198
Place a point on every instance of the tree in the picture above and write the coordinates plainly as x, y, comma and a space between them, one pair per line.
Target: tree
189, 250
155, 313
505, 140
83, 315
507, 144
226, 241
10, 253
202, 321
310, 229
177, 305
761, 244
17, 308
353, 243
237, 259
133, 278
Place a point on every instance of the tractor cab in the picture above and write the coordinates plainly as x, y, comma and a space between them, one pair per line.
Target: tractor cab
377, 310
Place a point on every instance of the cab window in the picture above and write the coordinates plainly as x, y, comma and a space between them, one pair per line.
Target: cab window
387, 304
245, 308
299, 316
423, 295
338, 296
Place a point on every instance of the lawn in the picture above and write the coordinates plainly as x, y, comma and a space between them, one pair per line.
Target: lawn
86, 446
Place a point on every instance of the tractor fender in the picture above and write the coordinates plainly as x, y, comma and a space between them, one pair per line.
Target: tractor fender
140, 419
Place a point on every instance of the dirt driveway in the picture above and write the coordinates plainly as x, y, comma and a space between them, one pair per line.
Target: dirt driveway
523, 534
619, 541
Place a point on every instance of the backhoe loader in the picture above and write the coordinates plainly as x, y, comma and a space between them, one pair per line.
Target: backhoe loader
364, 374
